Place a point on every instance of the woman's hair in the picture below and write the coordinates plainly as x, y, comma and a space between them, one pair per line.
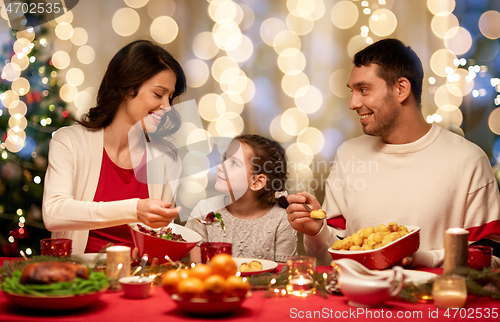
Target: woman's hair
395, 60
127, 71
268, 159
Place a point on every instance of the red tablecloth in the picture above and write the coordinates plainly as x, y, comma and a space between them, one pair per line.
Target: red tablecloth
113, 306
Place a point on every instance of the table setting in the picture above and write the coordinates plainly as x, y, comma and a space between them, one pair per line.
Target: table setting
110, 285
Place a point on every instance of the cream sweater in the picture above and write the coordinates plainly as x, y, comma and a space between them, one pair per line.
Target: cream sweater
68, 209
437, 182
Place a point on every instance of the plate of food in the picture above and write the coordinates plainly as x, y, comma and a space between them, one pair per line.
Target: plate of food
54, 285
174, 240
252, 266
378, 247
205, 306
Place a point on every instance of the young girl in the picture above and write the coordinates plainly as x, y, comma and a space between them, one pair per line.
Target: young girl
253, 169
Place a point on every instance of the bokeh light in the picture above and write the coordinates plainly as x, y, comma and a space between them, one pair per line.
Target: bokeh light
211, 107
312, 138
204, 46
28, 33
309, 99
293, 121
338, 83
299, 155
221, 64
449, 118
64, 31
61, 59
21, 60
68, 92
356, 44
136, 3
344, 14
157, 8
494, 121
85, 54
233, 103
79, 37
125, 21
441, 7
292, 83
270, 28
277, 131
489, 24
20, 86
243, 51
83, 100
75, 76
164, 29
11, 72
448, 97
227, 36
461, 79
65, 18
9, 99
197, 72
291, 61
383, 22
442, 61
18, 107
460, 42
441, 25
286, 39
299, 26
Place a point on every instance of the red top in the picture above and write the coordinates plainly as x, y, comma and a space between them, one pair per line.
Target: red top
115, 183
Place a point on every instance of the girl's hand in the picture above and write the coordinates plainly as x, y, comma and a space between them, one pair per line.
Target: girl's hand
156, 213
135, 257
299, 217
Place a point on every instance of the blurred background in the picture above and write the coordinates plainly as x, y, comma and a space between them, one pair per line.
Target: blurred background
275, 68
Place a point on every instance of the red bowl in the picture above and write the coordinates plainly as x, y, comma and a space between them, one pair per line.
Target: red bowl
384, 256
159, 248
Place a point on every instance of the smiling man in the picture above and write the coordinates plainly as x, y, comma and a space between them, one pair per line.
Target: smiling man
423, 176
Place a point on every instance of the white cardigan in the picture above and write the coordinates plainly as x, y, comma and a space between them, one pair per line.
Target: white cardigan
74, 166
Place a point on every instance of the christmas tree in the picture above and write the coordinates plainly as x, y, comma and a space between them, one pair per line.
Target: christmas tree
30, 112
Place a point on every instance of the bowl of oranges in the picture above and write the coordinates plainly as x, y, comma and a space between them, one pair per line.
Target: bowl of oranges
378, 247
211, 288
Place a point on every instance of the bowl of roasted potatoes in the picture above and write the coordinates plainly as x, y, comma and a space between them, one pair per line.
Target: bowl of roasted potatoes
378, 247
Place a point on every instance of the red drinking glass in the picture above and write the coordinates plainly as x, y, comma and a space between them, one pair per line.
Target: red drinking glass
480, 257
209, 250
57, 247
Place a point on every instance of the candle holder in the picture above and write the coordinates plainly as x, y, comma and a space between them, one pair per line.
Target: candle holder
480, 257
455, 248
301, 275
118, 262
449, 291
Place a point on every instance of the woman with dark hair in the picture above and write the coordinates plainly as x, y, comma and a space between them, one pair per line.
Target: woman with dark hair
92, 188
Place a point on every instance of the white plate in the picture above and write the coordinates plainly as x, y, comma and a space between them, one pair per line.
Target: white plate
418, 277
90, 257
267, 265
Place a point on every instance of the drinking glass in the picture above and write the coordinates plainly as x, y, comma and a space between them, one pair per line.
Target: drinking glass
209, 250
57, 247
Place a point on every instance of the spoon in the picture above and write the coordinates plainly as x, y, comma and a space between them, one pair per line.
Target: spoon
144, 261
310, 210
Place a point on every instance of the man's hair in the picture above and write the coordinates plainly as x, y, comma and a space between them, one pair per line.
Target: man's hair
395, 60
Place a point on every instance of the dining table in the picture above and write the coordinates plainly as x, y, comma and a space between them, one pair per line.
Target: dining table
259, 306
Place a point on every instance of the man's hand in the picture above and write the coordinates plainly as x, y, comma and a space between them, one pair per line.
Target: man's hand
299, 217
156, 213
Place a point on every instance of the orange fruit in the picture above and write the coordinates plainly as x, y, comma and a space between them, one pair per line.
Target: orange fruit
171, 279
190, 287
223, 265
237, 287
201, 271
215, 287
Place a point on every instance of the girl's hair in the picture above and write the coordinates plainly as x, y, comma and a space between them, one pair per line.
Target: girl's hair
268, 159
127, 71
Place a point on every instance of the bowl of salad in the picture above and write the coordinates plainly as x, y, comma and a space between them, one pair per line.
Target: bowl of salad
174, 240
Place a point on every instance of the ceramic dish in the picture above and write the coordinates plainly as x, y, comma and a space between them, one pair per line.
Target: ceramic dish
54, 303
159, 248
205, 307
267, 265
384, 256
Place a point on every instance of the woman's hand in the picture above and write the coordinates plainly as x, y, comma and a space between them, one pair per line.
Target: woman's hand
135, 256
299, 217
156, 213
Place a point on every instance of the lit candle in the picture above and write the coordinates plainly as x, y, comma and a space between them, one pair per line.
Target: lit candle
449, 291
117, 264
455, 248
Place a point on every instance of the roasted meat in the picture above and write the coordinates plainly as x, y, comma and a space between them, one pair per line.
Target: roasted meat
51, 272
